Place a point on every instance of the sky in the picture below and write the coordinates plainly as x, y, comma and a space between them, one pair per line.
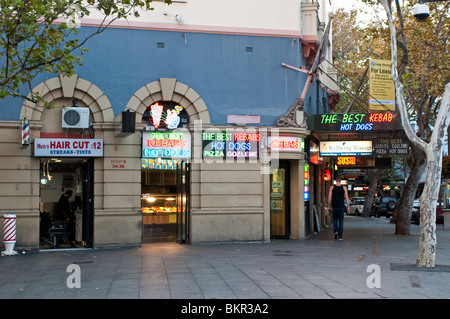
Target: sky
346, 4
352, 4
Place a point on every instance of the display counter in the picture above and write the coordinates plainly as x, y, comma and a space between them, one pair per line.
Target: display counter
158, 209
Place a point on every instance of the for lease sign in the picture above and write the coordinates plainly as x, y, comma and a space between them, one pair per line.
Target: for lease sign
55, 147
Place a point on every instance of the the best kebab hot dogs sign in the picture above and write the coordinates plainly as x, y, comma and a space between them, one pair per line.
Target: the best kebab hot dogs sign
45, 147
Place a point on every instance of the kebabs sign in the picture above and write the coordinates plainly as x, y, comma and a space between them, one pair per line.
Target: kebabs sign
218, 144
355, 122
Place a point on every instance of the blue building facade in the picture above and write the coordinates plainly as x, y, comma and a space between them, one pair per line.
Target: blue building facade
233, 73
229, 84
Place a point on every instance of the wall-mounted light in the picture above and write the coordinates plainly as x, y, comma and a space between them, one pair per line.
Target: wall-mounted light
178, 17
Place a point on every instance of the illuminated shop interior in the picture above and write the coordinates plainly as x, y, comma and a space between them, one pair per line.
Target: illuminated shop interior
158, 200
57, 175
161, 143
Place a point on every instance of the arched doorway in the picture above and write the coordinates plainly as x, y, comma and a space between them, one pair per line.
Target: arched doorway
63, 170
167, 109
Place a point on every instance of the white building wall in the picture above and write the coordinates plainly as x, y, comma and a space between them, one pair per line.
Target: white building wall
236, 16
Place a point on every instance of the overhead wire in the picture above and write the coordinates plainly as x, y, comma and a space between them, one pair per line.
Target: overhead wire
357, 99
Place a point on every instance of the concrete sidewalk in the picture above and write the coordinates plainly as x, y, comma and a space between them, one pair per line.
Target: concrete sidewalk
370, 262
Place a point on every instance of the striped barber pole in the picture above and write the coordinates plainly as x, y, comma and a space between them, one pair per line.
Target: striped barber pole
9, 228
25, 132
9, 235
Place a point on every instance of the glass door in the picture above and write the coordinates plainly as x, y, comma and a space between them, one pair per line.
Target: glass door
279, 202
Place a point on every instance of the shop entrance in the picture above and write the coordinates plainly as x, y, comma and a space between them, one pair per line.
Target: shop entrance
280, 201
165, 200
60, 178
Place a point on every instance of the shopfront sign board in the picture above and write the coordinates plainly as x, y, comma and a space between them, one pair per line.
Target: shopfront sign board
355, 122
345, 148
58, 147
391, 146
286, 143
381, 86
170, 144
235, 144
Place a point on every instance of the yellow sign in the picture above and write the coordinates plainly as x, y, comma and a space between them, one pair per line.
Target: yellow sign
381, 86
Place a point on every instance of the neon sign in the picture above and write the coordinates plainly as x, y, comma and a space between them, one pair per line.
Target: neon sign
158, 163
230, 144
166, 144
156, 110
172, 119
165, 115
355, 161
286, 143
380, 121
306, 179
327, 175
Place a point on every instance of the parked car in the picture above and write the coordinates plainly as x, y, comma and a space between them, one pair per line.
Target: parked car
415, 213
357, 206
383, 206
355, 199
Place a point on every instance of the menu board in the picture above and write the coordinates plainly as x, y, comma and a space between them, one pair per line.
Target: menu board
391, 146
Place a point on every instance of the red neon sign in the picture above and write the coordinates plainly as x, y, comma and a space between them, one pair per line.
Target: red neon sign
166, 143
327, 175
380, 117
156, 110
255, 137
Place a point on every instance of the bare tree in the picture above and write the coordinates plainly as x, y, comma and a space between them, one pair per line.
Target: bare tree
433, 153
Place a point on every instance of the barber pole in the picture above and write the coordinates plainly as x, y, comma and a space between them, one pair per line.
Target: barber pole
9, 234
25, 132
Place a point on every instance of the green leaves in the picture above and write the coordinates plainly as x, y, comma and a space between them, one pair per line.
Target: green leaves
39, 36
424, 70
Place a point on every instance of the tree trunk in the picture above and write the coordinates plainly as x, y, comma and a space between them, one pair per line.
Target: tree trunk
373, 182
426, 256
428, 201
402, 215
427, 237
427, 244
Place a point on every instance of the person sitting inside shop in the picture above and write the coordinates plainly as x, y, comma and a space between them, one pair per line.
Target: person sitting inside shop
63, 213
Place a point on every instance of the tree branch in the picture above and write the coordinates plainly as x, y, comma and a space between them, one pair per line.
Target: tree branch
399, 87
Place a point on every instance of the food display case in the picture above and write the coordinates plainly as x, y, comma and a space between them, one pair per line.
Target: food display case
158, 209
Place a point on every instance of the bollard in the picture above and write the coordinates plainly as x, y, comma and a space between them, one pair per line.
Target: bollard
9, 235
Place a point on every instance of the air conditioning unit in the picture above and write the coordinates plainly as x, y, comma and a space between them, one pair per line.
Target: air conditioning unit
76, 117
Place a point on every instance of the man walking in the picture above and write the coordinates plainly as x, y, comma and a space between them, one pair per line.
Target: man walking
336, 196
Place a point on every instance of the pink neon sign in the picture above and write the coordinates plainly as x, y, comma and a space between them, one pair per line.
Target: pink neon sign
156, 110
